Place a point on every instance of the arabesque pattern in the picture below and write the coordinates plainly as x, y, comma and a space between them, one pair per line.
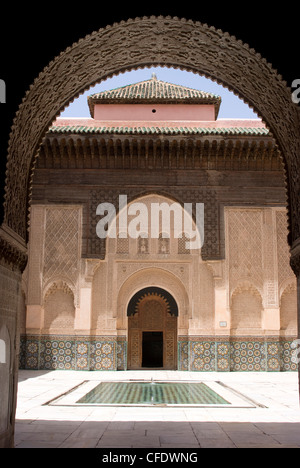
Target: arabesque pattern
200, 354
142, 42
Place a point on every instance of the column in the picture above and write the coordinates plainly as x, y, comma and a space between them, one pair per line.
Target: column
295, 264
222, 318
35, 266
271, 313
13, 259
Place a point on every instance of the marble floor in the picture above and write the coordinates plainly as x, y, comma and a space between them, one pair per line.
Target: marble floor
263, 412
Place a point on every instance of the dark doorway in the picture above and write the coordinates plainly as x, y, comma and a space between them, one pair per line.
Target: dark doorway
152, 349
152, 330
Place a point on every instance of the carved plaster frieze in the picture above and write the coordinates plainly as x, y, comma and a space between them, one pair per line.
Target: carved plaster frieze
295, 258
211, 249
141, 42
13, 251
89, 267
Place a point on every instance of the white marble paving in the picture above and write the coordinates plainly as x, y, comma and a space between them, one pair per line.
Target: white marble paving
276, 425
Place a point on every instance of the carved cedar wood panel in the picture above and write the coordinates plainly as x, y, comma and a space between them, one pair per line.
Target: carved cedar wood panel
141, 42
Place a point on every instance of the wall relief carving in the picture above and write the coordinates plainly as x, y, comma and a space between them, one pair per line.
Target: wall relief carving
96, 247
142, 42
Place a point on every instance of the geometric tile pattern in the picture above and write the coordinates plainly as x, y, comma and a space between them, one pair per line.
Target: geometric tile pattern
183, 352
248, 354
202, 354
286, 350
69, 353
121, 353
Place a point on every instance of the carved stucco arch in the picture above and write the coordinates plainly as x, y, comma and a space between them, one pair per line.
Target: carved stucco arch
138, 43
249, 286
56, 285
290, 284
144, 197
147, 277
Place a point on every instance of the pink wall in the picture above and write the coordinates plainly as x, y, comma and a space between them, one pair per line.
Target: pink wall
170, 112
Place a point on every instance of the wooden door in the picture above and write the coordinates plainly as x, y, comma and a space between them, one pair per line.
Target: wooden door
152, 316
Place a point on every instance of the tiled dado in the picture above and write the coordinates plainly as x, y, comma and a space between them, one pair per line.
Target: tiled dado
208, 354
203, 354
72, 353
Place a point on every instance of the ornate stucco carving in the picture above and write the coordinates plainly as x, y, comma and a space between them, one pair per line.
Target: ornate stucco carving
13, 252
245, 246
284, 267
295, 258
211, 249
142, 42
62, 243
62, 246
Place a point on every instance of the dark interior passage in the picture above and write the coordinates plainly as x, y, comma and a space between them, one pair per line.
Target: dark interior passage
152, 349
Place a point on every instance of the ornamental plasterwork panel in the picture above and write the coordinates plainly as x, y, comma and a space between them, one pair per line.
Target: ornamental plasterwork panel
125, 270
283, 254
141, 42
62, 245
244, 246
211, 248
270, 259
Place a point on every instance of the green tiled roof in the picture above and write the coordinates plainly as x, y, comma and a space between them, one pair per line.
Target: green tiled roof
153, 91
242, 131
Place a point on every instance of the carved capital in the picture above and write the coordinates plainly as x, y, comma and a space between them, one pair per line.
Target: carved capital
295, 257
13, 250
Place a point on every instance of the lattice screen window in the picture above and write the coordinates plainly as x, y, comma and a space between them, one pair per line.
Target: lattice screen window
163, 244
182, 241
143, 245
122, 245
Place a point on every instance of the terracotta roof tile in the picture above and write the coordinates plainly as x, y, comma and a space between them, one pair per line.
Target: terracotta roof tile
153, 91
151, 130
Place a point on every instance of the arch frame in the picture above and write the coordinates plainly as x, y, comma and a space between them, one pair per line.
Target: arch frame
160, 318
151, 277
133, 44
171, 304
151, 41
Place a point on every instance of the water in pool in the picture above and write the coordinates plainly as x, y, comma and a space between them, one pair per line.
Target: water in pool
152, 393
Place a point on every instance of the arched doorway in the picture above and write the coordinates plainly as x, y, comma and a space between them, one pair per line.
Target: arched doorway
152, 330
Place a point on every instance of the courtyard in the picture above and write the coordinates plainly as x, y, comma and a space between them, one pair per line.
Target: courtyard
262, 412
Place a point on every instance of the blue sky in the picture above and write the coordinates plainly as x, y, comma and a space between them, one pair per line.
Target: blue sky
231, 106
